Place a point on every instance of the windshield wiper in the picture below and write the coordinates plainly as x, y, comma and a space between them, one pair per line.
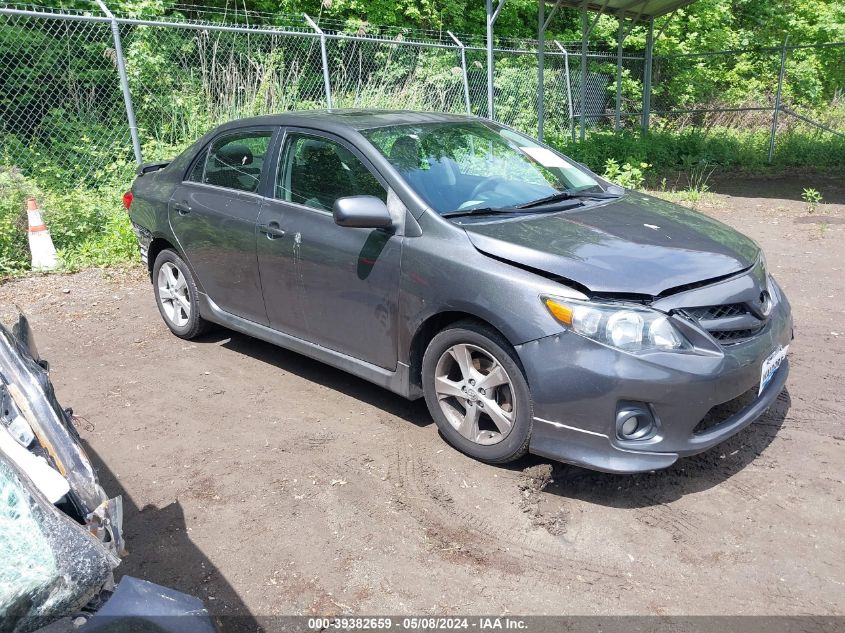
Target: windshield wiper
567, 195
518, 210
478, 211
496, 211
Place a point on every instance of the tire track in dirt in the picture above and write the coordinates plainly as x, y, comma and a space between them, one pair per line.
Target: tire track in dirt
507, 542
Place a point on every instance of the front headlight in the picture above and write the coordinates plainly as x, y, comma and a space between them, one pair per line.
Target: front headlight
625, 327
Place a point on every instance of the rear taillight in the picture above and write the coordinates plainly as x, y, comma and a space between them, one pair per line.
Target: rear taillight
127, 199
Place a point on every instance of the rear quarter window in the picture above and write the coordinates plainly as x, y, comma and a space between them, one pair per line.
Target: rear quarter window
234, 161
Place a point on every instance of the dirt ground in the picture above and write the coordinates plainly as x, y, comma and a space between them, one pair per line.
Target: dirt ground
267, 483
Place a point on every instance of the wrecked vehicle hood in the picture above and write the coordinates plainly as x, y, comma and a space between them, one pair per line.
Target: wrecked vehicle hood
60, 534
636, 244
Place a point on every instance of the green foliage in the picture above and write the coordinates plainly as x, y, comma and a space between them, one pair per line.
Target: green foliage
812, 198
89, 227
716, 148
14, 189
625, 175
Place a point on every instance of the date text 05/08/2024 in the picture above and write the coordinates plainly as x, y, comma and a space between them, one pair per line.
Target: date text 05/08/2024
417, 623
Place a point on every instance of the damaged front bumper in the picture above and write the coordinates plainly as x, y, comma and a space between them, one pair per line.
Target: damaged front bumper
582, 390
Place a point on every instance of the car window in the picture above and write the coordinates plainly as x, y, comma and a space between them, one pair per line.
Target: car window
469, 164
316, 171
198, 168
234, 161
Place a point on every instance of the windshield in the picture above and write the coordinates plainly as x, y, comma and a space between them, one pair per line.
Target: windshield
463, 166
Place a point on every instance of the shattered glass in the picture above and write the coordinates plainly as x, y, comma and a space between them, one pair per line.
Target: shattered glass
49, 564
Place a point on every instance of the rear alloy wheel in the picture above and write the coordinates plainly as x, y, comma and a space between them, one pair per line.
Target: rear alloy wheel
477, 394
173, 295
176, 295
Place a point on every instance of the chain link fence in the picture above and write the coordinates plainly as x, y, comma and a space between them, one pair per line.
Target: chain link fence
184, 81
390, 74
770, 90
60, 99
62, 107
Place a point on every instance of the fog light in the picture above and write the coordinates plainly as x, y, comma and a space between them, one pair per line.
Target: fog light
634, 421
629, 426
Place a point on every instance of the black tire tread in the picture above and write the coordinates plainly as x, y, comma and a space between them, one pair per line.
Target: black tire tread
196, 325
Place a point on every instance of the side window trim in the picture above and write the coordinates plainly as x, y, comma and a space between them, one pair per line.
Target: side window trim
201, 156
206, 151
289, 131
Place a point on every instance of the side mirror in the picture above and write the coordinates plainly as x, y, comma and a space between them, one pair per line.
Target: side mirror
363, 212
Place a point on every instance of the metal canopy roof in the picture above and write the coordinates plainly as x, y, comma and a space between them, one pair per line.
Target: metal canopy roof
634, 9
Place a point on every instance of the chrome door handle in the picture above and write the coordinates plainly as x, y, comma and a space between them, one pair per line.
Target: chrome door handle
272, 230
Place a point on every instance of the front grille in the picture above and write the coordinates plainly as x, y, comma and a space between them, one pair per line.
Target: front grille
729, 324
735, 336
718, 312
721, 412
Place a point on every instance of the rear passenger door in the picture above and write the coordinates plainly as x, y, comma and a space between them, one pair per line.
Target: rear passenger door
213, 215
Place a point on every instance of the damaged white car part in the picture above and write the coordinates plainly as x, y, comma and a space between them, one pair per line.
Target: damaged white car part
11, 418
28, 385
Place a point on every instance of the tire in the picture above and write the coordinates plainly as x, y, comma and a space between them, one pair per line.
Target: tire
180, 310
471, 407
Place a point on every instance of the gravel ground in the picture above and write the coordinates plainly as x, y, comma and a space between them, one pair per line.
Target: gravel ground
267, 483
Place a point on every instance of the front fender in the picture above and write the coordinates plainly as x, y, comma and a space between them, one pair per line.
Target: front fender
443, 272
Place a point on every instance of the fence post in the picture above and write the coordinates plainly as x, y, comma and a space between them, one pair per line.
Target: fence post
325, 59
463, 70
778, 95
620, 38
124, 82
568, 89
582, 96
541, 61
649, 63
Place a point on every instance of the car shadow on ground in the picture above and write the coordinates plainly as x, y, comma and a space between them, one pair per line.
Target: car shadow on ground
414, 412
160, 551
782, 186
687, 476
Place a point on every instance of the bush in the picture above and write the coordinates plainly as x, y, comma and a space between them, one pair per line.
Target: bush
625, 175
717, 147
14, 189
88, 226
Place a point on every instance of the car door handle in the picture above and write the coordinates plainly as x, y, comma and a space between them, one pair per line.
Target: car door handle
272, 230
182, 208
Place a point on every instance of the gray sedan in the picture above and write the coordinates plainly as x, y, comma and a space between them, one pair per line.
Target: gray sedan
535, 306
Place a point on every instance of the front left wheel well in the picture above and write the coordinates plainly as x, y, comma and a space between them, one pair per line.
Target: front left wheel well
428, 330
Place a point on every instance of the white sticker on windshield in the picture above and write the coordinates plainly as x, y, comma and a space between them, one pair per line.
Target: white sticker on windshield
546, 157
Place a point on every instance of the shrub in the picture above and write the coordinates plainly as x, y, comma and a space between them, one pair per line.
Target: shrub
625, 175
88, 226
717, 147
14, 189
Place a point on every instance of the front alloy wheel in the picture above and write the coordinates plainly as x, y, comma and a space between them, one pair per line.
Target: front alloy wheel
477, 393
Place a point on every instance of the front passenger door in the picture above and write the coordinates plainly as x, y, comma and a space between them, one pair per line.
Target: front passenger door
334, 286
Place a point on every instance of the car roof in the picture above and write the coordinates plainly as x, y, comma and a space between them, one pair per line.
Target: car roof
346, 119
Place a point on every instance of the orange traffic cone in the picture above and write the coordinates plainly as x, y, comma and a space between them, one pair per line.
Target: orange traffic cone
40, 242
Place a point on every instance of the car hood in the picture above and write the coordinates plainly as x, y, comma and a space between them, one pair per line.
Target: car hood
635, 244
